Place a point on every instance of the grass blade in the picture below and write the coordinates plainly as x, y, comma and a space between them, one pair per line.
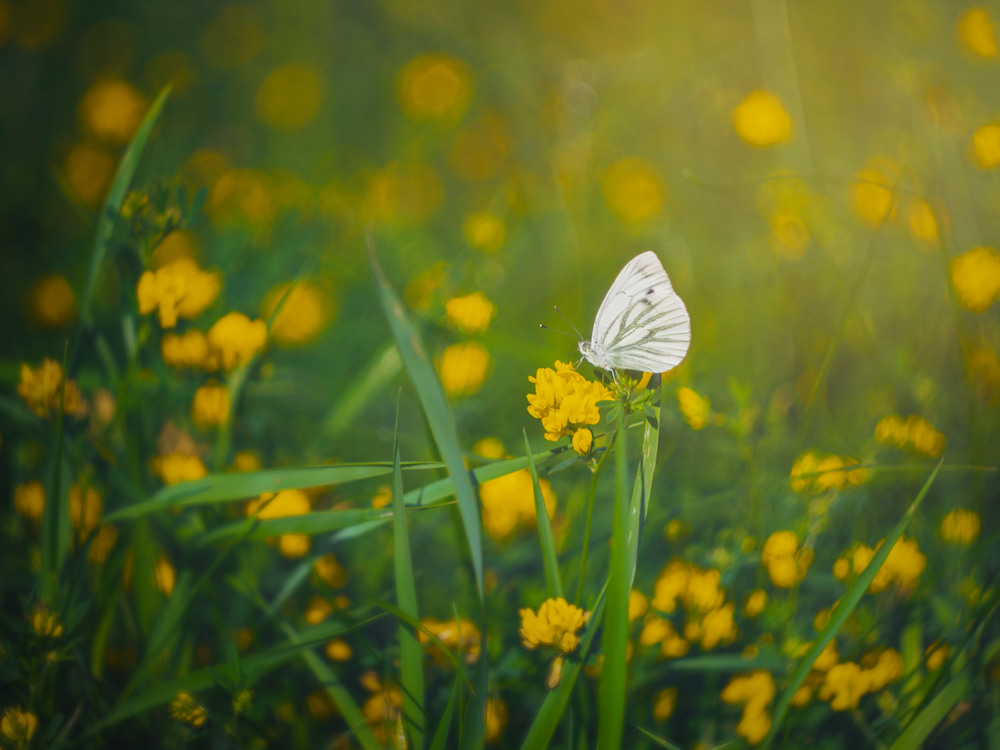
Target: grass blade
444, 726
839, 615
614, 644
435, 406
939, 706
553, 581
643, 487
410, 655
371, 381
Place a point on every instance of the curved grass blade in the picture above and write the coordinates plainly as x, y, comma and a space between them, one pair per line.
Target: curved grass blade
614, 643
553, 580
372, 380
937, 709
411, 665
444, 726
435, 406
310, 524
840, 614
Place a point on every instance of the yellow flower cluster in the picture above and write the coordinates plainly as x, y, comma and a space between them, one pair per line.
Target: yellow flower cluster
484, 231
508, 503
457, 635
786, 563
977, 34
902, 568
45, 623
664, 703
696, 410
976, 277
178, 289
111, 110
43, 388
872, 193
762, 120
984, 147
564, 400
815, 472
18, 726
189, 349
384, 708
29, 500
174, 468
755, 691
496, 719
556, 624
285, 503
755, 603
845, 684
306, 310
463, 368
471, 313
913, 433
234, 340
708, 617
186, 709
960, 526
210, 407
53, 303
330, 571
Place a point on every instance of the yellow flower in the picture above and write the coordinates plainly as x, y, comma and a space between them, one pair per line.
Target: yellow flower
185, 709
976, 33
289, 98
489, 447
178, 289
754, 725
18, 726
53, 303
210, 407
583, 440
245, 461
717, 627
112, 110
235, 339
882, 668
508, 502
29, 500
383, 497
761, 120
984, 148
88, 171
976, 277
841, 569
44, 387
496, 719
923, 221
786, 564
188, 349
285, 503
384, 708
914, 433
174, 468
434, 86
755, 691
696, 410
165, 574
638, 604
484, 231
755, 603
318, 610
902, 567
85, 509
872, 196
456, 635
470, 314
556, 624
664, 703
633, 189
564, 400
463, 368
330, 571
338, 649
960, 526
816, 472
45, 623
936, 655
102, 543
844, 685
304, 313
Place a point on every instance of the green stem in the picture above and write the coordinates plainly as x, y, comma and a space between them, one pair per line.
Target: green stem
590, 514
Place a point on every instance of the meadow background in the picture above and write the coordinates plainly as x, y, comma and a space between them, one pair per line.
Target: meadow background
206, 377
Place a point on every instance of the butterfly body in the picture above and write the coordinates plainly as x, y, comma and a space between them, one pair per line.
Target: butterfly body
642, 324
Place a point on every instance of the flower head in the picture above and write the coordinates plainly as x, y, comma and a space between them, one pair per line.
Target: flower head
305, 311
178, 289
471, 313
564, 400
18, 726
45, 387
976, 277
186, 709
762, 120
960, 526
210, 407
555, 625
235, 339
508, 502
463, 368
456, 635
913, 433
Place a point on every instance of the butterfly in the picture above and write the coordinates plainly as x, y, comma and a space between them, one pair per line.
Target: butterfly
642, 324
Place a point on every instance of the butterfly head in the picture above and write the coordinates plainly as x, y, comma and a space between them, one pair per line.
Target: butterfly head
596, 358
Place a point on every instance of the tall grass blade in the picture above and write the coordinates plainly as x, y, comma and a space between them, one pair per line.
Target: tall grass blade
438, 742
371, 381
553, 580
643, 486
937, 709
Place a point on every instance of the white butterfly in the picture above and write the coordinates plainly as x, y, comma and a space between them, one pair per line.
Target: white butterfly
642, 324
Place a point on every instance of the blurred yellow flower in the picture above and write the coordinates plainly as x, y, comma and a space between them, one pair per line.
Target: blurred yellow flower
696, 410
471, 313
984, 365
657, 630
923, 222
88, 170
872, 192
786, 563
496, 719
285, 503
29, 500
583, 441
902, 568
457, 635
762, 120
638, 604
936, 654
882, 668
406, 193
318, 610
306, 310
384, 708
463, 368
984, 148
180, 243
44, 388
434, 86
484, 231
174, 468
975, 275
330, 571
977, 34
53, 303
913, 433
102, 543
178, 289
210, 407
633, 189
555, 625
508, 502
827, 658
960, 526
233, 38
185, 709
480, 150
165, 574
755, 691
18, 726
338, 649
817, 473
289, 98
234, 339
45, 623
189, 349
489, 447
564, 400
844, 685
241, 196
383, 497
85, 509
112, 110
664, 703
755, 603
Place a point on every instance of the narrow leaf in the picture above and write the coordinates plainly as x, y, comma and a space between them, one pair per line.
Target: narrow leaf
553, 580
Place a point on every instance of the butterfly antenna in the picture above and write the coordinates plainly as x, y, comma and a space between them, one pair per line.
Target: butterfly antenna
578, 334
550, 328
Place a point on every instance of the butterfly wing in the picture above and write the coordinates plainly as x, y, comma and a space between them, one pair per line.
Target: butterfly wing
642, 324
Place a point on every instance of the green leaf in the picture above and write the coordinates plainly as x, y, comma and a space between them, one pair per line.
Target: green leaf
310, 524
444, 726
937, 709
643, 486
553, 580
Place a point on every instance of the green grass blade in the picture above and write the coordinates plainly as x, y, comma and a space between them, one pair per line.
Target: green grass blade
311, 524
937, 709
435, 407
371, 382
643, 486
553, 580
614, 643
411, 664
840, 614
657, 740
444, 726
